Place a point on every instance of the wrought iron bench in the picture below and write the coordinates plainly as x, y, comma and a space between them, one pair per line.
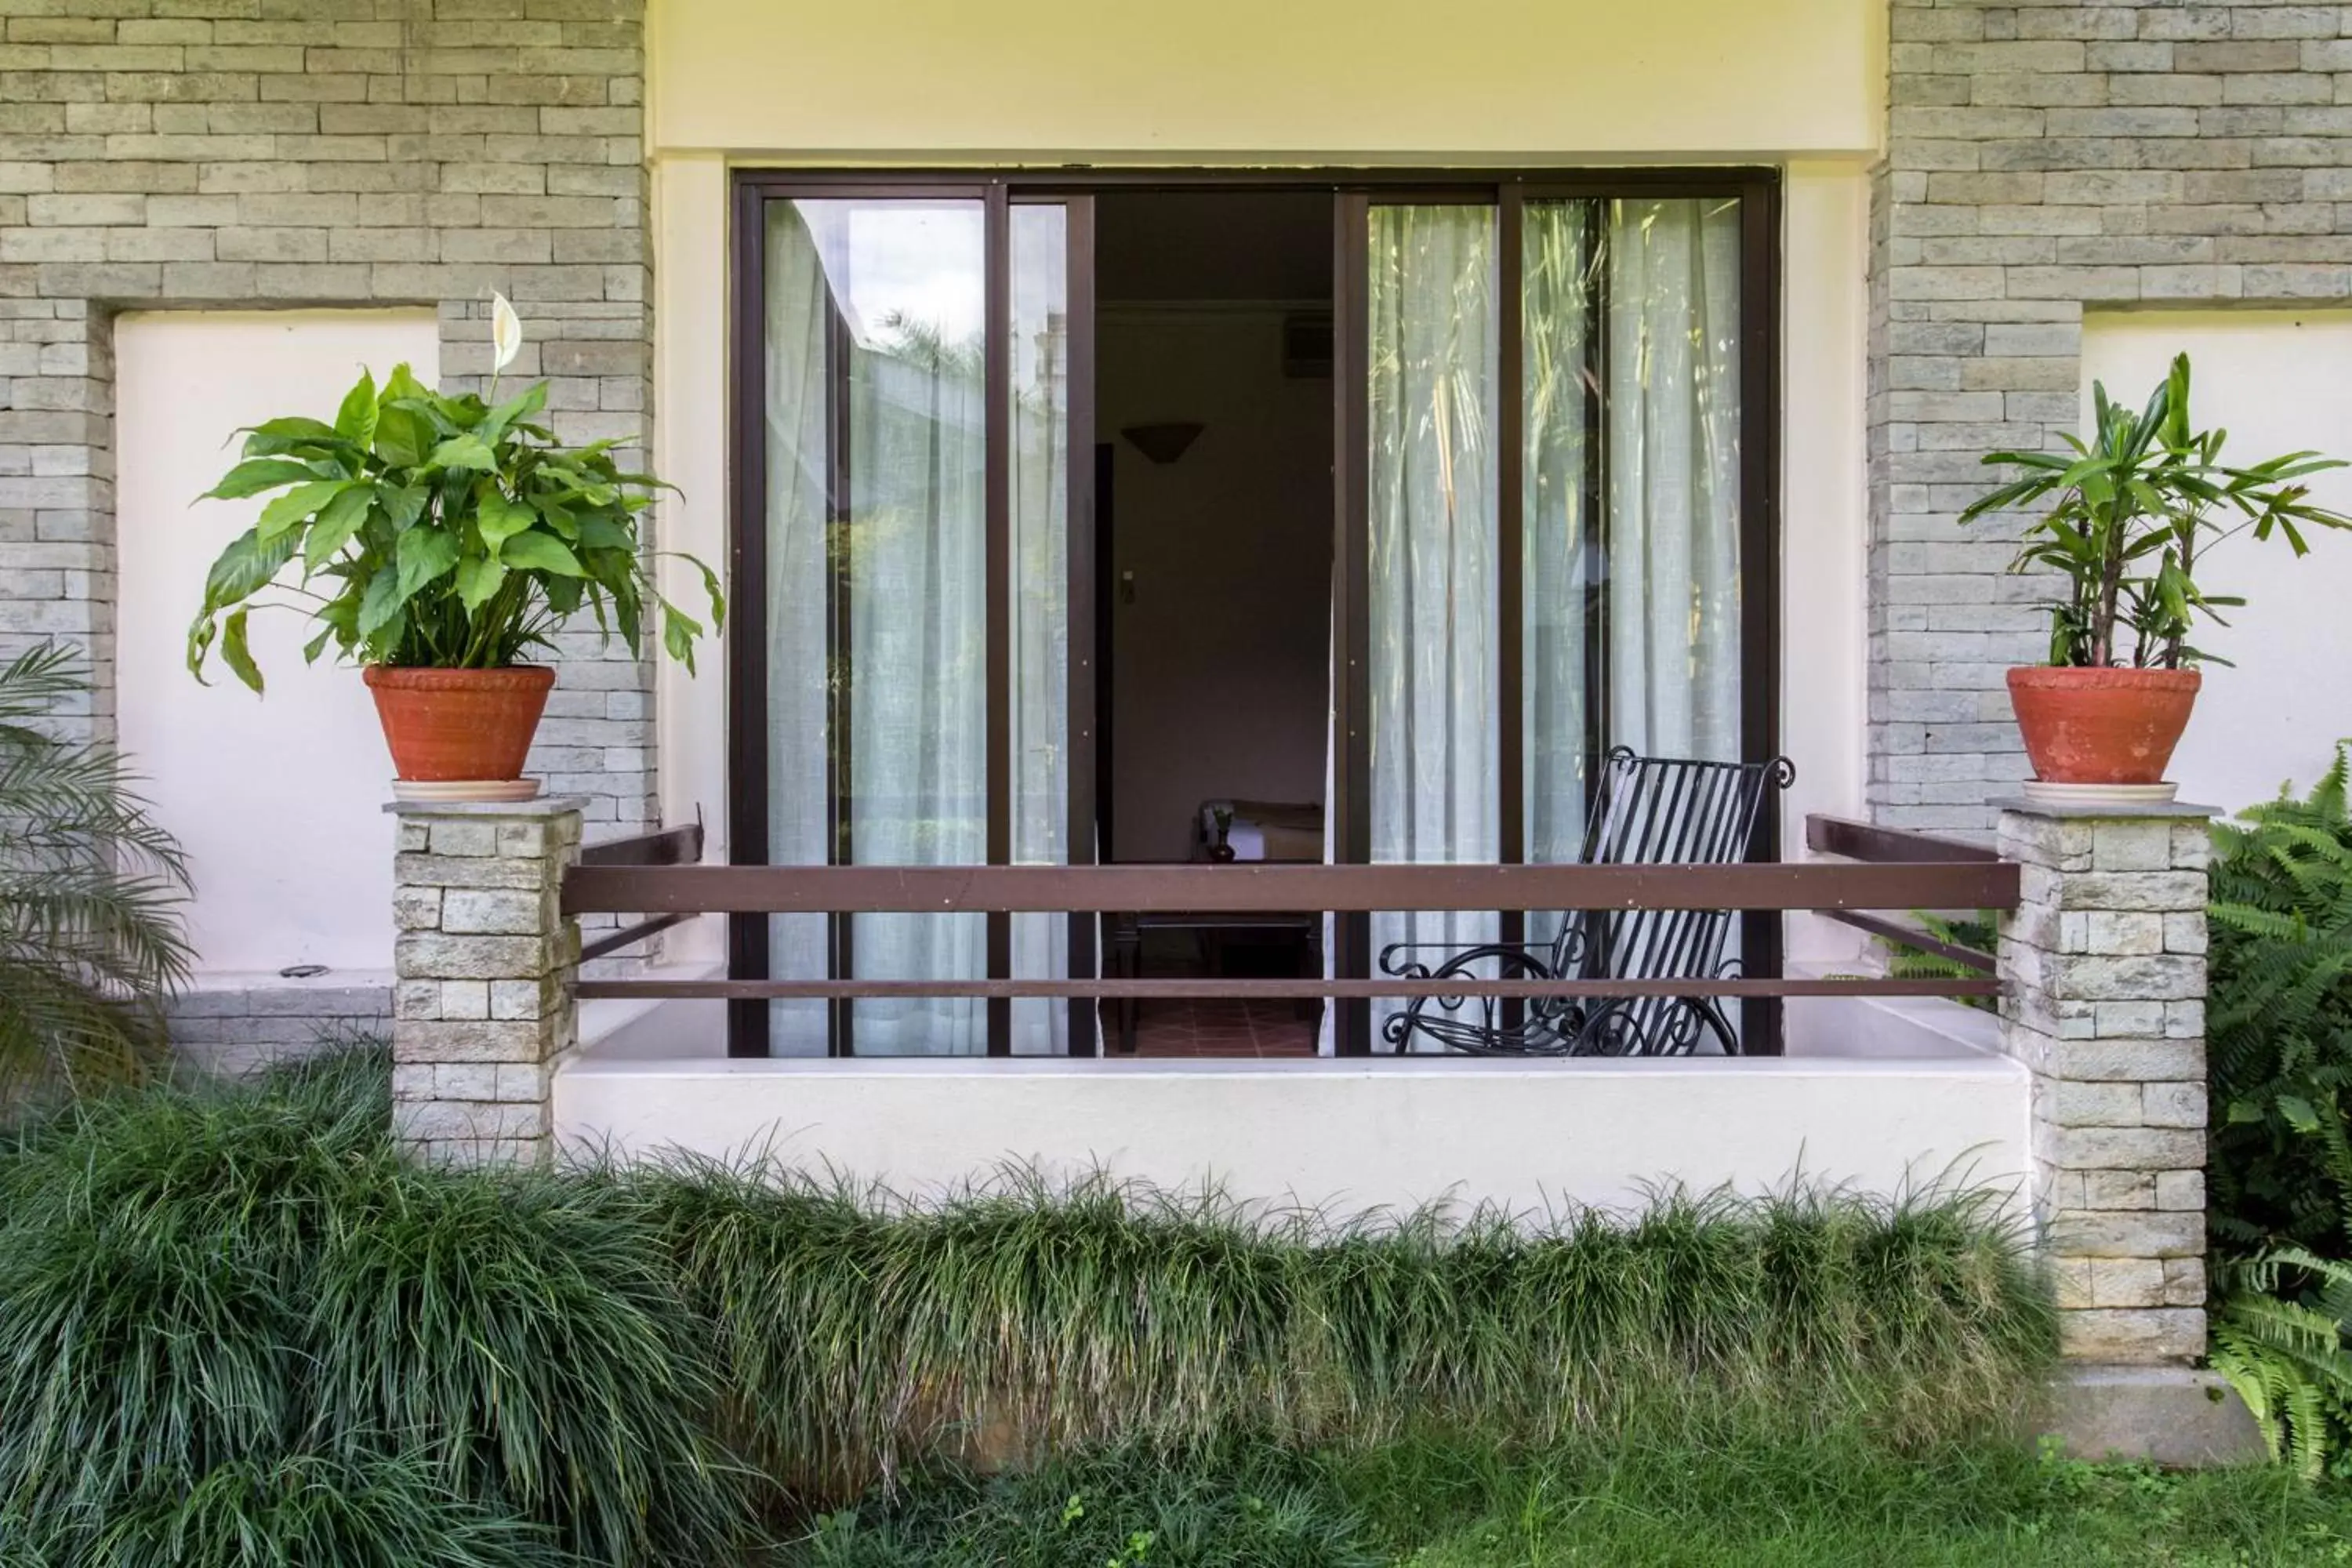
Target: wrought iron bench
1645, 810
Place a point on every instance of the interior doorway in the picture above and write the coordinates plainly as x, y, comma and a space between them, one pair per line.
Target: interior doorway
1213, 412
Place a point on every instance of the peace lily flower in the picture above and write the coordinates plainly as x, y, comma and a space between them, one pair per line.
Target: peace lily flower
505, 333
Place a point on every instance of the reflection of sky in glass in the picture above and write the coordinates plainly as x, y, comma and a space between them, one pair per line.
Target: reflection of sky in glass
918, 260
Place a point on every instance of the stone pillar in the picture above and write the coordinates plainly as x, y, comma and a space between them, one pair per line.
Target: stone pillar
482, 1007
2106, 964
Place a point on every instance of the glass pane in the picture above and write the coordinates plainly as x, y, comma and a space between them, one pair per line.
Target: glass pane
876, 586
1671, 385
1632, 498
1041, 623
1631, 621
1433, 523
1561, 551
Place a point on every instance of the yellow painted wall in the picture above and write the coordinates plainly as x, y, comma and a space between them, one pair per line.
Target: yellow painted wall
1276, 80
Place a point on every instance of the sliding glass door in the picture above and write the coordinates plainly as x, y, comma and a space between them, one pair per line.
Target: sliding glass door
1553, 494
1555, 516
909, 641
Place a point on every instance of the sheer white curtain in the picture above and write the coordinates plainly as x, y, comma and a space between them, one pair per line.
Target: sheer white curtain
877, 461
799, 310
1431, 500
1041, 620
1673, 477
1631, 516
1632, 351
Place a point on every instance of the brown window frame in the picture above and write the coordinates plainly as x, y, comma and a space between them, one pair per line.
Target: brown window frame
1354, 191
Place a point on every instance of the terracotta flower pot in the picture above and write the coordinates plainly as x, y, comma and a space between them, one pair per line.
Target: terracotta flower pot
451, 725
2102, 726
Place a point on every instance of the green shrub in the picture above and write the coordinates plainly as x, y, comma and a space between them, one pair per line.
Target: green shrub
2280, 1015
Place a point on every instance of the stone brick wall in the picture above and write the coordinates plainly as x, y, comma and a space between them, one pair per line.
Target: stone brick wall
2105, 961
166, 155
2041, 159
482, 1007
234, 1029
236, 154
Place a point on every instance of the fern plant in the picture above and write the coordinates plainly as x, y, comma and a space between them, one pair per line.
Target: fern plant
90, 939
2279, 1021
2280, 1015
2279, 1339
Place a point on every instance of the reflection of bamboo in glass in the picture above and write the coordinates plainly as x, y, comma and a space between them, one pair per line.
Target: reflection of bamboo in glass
1432, 373
1561, 647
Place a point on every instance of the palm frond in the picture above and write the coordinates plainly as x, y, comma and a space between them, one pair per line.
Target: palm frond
92, 889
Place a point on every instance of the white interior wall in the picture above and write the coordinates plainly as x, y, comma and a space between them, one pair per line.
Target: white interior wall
1222, 661
2277, 381
279, 799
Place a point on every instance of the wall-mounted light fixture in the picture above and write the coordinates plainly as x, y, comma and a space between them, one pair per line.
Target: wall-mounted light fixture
1162, 443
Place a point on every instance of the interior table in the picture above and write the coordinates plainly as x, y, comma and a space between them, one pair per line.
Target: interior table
1128, 926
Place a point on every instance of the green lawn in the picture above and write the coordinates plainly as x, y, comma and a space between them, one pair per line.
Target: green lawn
1755, 1504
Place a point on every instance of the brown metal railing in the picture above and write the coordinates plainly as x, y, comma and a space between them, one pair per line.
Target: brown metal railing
1869, 843
663, 846
1942, 874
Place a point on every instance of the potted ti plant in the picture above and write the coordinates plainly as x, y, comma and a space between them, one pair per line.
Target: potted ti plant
2137, 509
435, 541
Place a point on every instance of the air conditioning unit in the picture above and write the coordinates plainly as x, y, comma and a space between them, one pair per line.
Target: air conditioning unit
1306, 346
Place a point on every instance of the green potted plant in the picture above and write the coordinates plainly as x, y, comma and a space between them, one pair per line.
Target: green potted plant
435, 541
2138, 506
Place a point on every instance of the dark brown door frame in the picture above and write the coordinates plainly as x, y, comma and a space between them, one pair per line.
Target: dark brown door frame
1758, 191
747, 572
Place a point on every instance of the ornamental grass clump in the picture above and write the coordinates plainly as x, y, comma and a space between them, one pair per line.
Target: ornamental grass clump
859, 1333
241, 1313
192, 1280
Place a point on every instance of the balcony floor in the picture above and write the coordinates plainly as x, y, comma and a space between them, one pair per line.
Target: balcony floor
1223, 1029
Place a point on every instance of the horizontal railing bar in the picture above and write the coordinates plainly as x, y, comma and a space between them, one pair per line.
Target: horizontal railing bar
663, 846
1911, 936
627, 934
1306, 988
960, 889
1870, 842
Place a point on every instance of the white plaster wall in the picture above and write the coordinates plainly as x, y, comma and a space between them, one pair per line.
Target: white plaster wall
279, 799
1824, 525
689, 450
2277, 381
1362, 1134
1305, 80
